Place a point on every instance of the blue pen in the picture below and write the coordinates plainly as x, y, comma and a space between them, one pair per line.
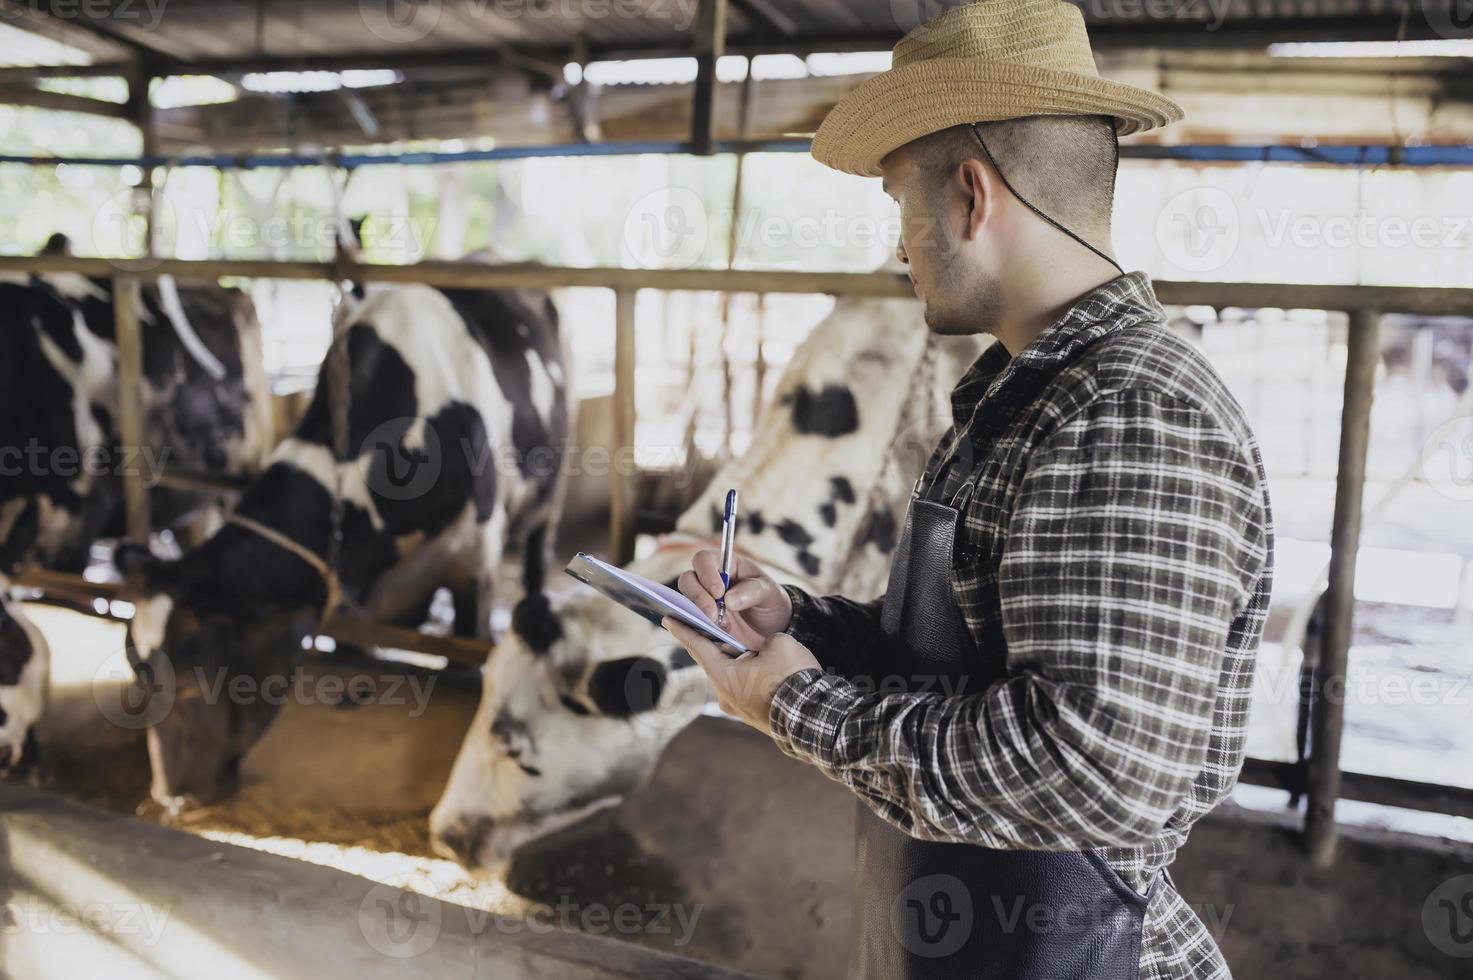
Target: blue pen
728, 539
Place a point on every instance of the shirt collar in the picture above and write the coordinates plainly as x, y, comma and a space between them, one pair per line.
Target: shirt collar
1123, 301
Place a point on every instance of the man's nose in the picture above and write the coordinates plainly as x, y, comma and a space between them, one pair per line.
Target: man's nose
900, 251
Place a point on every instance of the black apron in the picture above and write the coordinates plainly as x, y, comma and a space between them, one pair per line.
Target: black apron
942, 910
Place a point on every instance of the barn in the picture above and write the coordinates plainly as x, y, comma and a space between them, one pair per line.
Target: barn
331, 332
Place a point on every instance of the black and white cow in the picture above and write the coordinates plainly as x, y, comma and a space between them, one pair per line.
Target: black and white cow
575, 713
207, 407
24, 674
457, 422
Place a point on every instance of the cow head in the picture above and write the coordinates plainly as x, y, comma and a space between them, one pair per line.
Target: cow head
578, 702
214, 669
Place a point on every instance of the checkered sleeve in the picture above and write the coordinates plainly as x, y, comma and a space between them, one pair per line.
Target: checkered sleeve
1136, 536
841, 632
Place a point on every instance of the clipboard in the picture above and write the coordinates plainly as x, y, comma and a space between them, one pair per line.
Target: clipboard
649, 599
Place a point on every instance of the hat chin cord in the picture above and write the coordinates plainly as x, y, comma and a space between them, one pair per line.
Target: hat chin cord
1032, 207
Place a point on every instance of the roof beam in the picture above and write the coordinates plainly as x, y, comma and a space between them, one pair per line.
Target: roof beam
769, 14
1237, 34
25, 95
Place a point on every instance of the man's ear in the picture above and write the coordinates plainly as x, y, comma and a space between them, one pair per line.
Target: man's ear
981, 186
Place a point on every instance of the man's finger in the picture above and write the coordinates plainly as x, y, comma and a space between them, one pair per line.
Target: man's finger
706, 563
690, 587
697, 645
747, 593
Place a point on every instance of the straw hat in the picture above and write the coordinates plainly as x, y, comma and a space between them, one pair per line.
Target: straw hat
980, 62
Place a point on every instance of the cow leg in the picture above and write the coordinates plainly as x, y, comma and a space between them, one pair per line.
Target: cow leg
472, 598
34, 763
536, 555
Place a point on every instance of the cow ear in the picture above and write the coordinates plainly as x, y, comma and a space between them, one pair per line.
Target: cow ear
627, 686
143, 572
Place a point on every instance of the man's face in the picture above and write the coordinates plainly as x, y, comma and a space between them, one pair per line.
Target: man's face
949, 273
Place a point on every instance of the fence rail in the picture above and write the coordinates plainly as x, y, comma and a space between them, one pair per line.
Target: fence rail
1365, 304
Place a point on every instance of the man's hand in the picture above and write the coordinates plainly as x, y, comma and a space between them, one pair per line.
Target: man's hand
744, 686
756, 606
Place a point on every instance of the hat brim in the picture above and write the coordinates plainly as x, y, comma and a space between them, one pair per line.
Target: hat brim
893, 108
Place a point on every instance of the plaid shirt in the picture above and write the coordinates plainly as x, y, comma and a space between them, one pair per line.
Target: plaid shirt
1116, 550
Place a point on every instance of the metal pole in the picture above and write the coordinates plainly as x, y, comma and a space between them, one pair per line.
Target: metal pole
710, 46
623, 484
1328, 720
127, 297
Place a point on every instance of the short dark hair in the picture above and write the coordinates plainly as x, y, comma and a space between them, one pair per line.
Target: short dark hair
1064, 165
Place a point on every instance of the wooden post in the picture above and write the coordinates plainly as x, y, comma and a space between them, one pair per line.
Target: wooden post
1328, 720
139, 110
623, 481
127, 297
710, 46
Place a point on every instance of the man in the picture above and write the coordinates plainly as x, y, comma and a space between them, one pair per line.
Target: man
1056, 684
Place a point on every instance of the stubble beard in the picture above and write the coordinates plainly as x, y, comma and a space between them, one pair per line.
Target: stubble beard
963, 302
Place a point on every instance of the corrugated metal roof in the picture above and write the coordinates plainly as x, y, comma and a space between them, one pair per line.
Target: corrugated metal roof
206, 30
